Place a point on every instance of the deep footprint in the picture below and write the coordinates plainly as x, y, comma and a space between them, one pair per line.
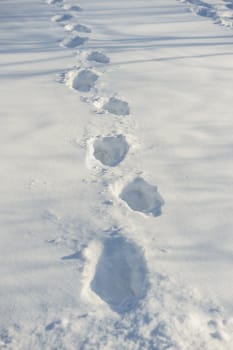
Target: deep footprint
73, 42
72, 8
121, 275
116, 106
110, 150
52, 2
143, 197
205, 12
98, 57
78, 28
61, 18
84, 80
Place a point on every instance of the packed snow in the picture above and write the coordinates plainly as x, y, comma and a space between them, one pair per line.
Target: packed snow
116, 175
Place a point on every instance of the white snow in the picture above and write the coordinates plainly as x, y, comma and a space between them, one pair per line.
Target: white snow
83, 80
116, 199
77, 27
73, 41
98, 57
142, 197
120, 276
61, 18
109, 150
116, 106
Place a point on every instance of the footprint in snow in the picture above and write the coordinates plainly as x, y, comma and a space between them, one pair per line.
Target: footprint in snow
229, 6
73, 42
52, 325
74, 8
110, 150
61, 18
83, 80
116, 106
98, 57
143, 197
77, 28
220, 329
199, 3
214, 331
53, 2
205, 12
121, 275
5, 339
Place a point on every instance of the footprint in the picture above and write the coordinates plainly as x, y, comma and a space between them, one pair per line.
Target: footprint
199, 3
143, 197
116, 106
83, 80
121, 275
98, 57
52, 325
110, 150
78, 28
72, 8
205, 12
52, 2
74, 41
5, 339
61, 18
215, 330
229, 6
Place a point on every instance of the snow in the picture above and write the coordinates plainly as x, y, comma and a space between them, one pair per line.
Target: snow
142, 197
83, 80
116, 197
98, 57
120, 276
109, 150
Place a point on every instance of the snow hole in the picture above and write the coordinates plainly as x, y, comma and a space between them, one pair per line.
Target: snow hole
98, 57
72, 8
74, 41
205, 12
78, 28
51, 2
121, 275
116, 106
143, 197
84, 80
110, 150
61, 18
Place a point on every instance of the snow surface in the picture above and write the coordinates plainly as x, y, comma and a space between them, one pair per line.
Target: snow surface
116, 197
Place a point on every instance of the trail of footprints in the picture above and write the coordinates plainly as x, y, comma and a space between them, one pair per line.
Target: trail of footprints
120, 277
222, 15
